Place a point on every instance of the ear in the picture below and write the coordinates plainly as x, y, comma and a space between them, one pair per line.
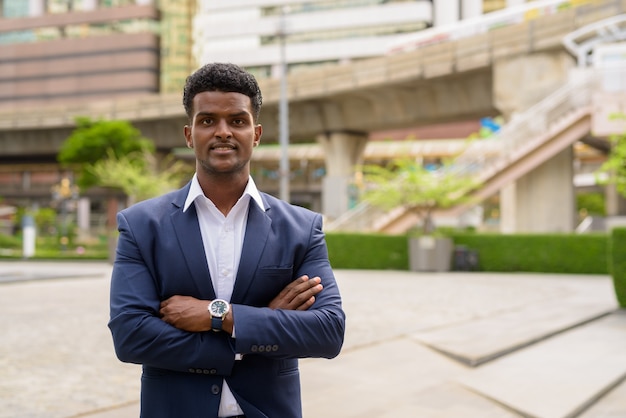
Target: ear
258, 131
187, 133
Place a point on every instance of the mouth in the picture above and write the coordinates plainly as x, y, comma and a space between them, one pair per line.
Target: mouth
223, 147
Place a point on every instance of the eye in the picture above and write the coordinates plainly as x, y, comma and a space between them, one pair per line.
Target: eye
206, 121
239, 122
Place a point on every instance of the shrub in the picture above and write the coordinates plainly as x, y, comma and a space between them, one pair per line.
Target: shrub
367, 251
617, 263
541, 253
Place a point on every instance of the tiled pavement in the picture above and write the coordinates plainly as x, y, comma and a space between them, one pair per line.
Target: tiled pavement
455, 345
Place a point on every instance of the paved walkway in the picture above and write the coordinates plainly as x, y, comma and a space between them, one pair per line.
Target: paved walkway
456, 345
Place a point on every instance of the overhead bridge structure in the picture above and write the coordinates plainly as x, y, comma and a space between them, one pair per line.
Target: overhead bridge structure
526, 144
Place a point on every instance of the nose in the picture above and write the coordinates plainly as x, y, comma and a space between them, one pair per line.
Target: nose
222, 130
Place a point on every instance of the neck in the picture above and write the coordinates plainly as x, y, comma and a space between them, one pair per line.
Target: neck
223, 192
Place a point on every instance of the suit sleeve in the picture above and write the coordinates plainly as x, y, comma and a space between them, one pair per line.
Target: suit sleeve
316, 332
139, 335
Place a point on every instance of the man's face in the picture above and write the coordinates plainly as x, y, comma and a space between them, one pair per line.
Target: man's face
222, 132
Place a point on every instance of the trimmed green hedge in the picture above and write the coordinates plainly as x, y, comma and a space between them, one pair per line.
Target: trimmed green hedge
367, 251
617, 263
544, 253
541, 253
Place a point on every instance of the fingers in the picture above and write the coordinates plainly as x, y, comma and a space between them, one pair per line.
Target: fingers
298, 295
307, 304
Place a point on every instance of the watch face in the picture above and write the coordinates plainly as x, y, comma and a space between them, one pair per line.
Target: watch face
219, 307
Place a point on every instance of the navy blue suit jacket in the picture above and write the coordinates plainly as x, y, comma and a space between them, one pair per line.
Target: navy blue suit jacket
160, 254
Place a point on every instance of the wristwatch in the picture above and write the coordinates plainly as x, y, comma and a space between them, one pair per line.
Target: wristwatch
218, 308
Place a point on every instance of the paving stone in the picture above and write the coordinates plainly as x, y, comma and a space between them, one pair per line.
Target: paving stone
484, 339
559, 377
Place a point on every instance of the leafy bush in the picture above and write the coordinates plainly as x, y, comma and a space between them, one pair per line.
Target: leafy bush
541, 253
367, 251
545, 253
10, 242
49, 247
617, 264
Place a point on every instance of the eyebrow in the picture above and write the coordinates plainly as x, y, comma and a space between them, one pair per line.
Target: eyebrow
237, 114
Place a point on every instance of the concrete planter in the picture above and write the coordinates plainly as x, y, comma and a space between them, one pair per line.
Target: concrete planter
428, 253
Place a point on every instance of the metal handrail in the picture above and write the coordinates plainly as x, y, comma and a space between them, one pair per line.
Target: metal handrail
478, 25
524, 131
581, 42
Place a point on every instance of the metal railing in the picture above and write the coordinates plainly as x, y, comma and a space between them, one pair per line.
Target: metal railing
481, 24
527, 130
581, 42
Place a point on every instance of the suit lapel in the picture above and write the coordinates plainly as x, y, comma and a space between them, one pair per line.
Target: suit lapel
189, 238
257, 232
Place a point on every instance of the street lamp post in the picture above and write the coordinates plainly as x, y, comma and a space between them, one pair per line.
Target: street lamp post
283, 112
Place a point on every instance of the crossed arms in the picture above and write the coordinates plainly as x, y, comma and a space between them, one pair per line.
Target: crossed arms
190, 314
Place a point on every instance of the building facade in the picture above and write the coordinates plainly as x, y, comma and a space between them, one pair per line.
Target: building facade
71, 51
255, 33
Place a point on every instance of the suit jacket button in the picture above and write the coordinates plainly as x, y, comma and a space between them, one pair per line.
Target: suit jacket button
215, 389
213, 371
254, 348
261, 348
199, 371
275, 347
268, 348
206, 371
192, 370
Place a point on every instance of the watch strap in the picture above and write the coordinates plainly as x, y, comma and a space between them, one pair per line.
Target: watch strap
216, 323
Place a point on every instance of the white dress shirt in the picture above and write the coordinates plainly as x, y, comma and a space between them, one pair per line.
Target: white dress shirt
222, 237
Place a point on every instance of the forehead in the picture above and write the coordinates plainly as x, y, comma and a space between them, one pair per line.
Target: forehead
219, 101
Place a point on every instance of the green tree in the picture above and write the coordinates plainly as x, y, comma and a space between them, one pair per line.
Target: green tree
613, 170
408, 183
93, 141
139, 178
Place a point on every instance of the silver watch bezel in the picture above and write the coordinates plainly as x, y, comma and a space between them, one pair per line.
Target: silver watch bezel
216, 302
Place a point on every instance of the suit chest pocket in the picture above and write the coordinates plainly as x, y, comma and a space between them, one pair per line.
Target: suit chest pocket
270, 281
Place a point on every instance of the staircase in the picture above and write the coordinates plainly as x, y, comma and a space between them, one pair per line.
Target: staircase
525, 142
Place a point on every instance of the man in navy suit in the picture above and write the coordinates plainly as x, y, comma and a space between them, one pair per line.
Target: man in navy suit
217, 289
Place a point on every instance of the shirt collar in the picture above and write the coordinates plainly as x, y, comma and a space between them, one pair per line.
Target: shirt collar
195, 190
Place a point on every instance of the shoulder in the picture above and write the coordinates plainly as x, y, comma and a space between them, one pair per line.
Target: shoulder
279, 208
157, 206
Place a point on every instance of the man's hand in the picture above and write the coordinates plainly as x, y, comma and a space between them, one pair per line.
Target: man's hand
298, 295
186, 313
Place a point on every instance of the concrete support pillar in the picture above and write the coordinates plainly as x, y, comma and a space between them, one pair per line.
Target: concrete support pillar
615, 204
540, 74
36, 7
445, 12
471, 8
342, 152
90, 4
83, 216
543, 200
